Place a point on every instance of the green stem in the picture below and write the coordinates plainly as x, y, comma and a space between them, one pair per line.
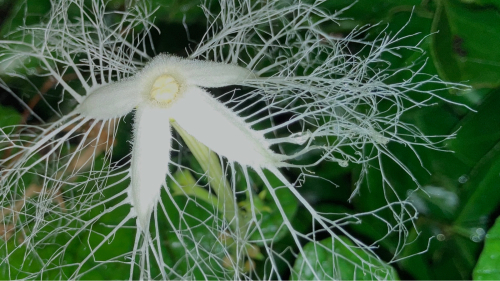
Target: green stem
190, 188
211, 165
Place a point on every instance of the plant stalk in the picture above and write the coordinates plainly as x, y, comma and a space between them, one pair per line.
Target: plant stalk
210, 163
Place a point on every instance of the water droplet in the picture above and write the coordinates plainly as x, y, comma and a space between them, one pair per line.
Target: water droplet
480, 232
441, 237
478, 235
343, 163
379, 138
463, 179
300, 138
475, 238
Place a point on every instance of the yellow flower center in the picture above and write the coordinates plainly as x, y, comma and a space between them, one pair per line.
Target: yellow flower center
165, 89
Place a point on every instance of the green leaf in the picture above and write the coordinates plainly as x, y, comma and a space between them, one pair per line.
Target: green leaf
8, 117
481, 191
348, 263
478, 132
441, 47
478, 145
488, 265
462, 53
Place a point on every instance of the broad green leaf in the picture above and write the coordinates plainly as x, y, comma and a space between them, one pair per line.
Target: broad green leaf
488, 265
473, 170
478, 145
462, 42
481, 191
348, 263
478, 132
442, 47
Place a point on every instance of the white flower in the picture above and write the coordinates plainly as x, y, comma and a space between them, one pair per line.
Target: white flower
326, 97
170, 89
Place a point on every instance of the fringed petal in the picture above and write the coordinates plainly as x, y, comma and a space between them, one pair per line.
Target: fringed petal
150, 158
206, 74
220, 129
111, 100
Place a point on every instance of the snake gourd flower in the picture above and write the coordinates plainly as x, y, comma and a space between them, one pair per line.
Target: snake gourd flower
285, 83
170, 88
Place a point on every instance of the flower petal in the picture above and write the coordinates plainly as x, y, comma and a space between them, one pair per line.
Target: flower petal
150, 158
111, 100
219, 128
196, 72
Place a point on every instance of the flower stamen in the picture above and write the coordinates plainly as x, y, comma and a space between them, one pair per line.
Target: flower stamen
165, 88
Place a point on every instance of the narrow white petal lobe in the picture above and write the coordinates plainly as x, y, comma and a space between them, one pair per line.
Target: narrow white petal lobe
150, 158
111, 100
219, 128
206, 74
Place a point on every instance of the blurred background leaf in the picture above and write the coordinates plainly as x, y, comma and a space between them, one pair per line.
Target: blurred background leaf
326, 267
461, 34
